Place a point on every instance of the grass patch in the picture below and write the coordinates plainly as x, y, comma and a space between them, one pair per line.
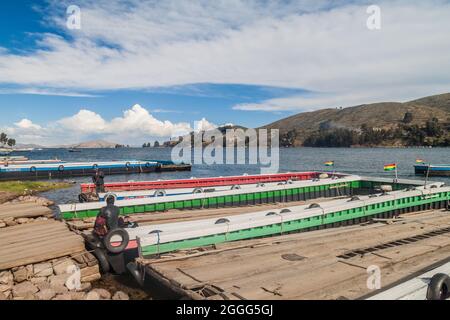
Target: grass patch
30, 187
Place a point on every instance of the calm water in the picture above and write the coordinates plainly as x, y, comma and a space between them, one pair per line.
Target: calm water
363, 161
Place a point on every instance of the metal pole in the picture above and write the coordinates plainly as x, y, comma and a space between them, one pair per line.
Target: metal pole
396, 174
426, 177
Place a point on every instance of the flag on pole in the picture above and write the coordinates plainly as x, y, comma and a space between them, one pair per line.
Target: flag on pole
390, 167
329, 163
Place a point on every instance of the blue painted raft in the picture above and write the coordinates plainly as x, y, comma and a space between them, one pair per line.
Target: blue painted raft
432, 169
74, 169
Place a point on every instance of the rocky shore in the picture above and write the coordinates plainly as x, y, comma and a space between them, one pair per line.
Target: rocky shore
71, 277
67, 278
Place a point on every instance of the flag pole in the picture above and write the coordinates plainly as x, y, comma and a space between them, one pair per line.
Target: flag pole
396, 174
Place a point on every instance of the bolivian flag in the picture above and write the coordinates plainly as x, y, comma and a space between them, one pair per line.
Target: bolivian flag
420, 161
329, 163
390, 167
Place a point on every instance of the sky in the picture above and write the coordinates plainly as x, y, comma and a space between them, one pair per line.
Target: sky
138, 71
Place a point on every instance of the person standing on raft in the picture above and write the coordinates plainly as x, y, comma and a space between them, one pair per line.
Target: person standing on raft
99, 180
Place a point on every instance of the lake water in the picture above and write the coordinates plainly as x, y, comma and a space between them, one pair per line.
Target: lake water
362, 161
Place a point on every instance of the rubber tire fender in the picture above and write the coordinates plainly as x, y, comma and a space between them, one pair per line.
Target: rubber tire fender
116, 232
439, 287
82, 198
61, 168
33, 169
134, 271
102, 261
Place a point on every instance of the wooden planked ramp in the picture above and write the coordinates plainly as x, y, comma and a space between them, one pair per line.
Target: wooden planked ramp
35, 242
23, 210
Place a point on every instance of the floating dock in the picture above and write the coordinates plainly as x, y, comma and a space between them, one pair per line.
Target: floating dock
287, 191
326, 264
202, 182
432, 170
74, 169
154, 240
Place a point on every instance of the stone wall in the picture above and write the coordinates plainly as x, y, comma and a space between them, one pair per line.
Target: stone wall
67, 278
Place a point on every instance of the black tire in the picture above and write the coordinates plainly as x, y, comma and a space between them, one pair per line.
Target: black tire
82, 197
197, 190
61, 168
102, 260
223, 220
33, 169
285, 211
135, 273
439, 287
95, 166
160, 193
128, 165
116, 232
314, 206
236, 187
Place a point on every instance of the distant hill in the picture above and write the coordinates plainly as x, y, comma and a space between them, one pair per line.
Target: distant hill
379, 116
223, 129
96, 144
28, 146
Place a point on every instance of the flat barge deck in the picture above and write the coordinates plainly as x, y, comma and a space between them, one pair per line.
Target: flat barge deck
432, 170
61, 170
324, 264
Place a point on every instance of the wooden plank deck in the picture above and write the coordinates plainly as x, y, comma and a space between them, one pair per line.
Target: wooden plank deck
35, 242
305, 265
23, 210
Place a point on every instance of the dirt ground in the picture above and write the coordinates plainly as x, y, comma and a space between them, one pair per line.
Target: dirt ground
7, 196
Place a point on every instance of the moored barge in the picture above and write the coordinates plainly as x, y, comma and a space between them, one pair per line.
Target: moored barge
432, 169
73, 169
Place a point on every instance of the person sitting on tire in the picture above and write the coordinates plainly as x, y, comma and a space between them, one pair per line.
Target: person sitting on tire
108, 219
99, 180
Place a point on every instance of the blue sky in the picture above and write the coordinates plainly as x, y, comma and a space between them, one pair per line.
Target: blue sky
144, 70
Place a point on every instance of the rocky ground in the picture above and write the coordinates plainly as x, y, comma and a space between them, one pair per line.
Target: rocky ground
75, 277
67, 278
6, 196
9, 222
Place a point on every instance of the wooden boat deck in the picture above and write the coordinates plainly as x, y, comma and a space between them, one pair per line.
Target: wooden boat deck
35, 242
325, 264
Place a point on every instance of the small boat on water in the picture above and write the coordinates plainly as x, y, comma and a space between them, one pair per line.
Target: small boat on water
432, 169
74, 150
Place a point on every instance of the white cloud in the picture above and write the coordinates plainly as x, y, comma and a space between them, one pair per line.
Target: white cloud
27, 125
84, 121
135, 126
323, 46
204, 125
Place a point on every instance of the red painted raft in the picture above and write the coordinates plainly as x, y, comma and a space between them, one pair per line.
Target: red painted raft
202, 182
